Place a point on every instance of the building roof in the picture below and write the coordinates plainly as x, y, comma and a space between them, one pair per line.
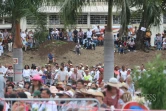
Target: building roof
85, 9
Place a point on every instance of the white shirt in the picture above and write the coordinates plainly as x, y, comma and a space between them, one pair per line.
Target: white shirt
34, 72
89, 34
123, 74
70, 73
1, 35
97, 73
97, 30
23, 36
26, 73
62, 75
48, 106
40, 72
2, 70
57, 32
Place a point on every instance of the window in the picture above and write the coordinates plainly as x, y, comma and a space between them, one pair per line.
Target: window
98, 19
82, 19
31, 21
116, 19
54, 19
164, 18
135, 19
8, 21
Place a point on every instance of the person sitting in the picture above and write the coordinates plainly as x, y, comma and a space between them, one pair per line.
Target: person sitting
100, 40
51, 58
77, 49
131, 45
121, 49
91, 45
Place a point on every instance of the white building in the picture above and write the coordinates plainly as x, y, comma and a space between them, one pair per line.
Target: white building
91, 15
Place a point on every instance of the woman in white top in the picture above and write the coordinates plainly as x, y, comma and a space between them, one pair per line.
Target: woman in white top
130, 84
123, 73
10, 73
26, 73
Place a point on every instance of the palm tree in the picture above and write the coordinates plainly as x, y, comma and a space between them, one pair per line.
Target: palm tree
17, 9
151, 11
70, 10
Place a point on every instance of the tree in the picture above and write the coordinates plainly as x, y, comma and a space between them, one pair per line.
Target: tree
151, 16
17, 9
70, 10
152, 83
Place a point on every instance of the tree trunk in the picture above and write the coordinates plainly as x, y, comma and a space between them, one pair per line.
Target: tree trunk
109, 46
141, 34
17, 38
17, 53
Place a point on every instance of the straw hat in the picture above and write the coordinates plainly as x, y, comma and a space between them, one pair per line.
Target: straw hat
98, 94
113, 82
53, 89
69, 93
59, 93
88, 92
60, 83
124, 85
37, 78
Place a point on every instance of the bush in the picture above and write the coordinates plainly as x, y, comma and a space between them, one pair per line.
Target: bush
152, 83
41, 36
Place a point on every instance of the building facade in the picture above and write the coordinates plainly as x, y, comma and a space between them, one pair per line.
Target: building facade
91, 16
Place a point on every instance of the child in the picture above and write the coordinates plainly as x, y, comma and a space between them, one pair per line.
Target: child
77, 49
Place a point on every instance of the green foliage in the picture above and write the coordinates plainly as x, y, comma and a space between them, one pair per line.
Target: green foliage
152, 83
41, 36
55, 43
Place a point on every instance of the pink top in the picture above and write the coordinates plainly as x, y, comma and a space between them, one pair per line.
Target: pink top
108, 100
76, 76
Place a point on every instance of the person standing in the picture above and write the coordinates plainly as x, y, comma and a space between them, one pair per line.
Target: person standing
62, 75
75, 33
80, 36
75, 75
159, 41
69, 34
89, 36
10, 43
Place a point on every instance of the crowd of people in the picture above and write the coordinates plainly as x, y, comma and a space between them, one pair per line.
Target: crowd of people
6, 40
67, 81
87, 40
160, 41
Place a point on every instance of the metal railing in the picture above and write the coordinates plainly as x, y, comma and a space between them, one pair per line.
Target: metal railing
69, 104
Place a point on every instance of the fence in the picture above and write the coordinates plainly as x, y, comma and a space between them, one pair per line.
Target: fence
71, 104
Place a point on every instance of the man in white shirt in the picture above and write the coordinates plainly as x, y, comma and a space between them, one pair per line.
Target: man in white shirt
2, 70
97, 73
23, 35
89, 36
47, 105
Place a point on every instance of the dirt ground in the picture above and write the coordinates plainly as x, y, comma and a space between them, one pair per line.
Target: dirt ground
63, 53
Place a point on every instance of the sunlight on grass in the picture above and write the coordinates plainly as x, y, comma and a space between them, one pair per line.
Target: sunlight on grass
55, 43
